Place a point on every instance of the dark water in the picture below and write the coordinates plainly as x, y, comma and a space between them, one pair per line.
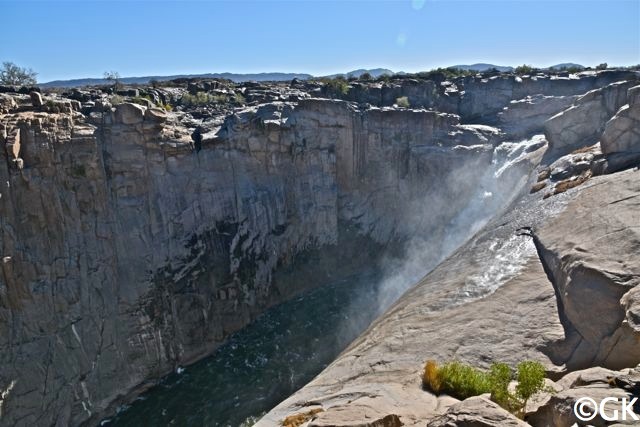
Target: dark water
264, 363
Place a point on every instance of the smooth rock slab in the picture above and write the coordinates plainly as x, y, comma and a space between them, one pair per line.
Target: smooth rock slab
477, 411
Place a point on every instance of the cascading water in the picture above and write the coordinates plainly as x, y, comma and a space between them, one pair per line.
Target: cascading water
291, 343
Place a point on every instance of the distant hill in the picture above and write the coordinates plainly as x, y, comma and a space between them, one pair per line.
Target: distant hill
146, 79
566, 65
482, 67
375, 73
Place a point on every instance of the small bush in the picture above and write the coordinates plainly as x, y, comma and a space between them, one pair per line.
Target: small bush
500, 376
530, 380
525, 69
463, 381
339, 84
403, 102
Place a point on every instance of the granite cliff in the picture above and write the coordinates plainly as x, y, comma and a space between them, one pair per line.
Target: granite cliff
135, 240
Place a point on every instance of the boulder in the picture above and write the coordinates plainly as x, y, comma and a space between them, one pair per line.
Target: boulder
36, 99
594, 383
128, 113
156, 115
477, 411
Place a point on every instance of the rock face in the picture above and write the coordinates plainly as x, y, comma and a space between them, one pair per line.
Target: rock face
621, 132
595, 269
583, 122
159, 244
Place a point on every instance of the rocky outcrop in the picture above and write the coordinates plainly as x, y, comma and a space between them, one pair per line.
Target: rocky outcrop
621, 133
590, 254
596, 384
583, 122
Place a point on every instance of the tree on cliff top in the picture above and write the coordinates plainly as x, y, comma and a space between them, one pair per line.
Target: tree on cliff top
11, 74
113, 77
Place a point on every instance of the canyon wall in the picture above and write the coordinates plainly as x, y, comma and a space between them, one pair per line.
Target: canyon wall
127, 253
128, 249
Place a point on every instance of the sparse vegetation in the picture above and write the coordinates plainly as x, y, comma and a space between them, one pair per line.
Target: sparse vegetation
365, 76
448, 73
525, 69
463, 381
204, 98
11, 74
78, 171
116, 99
602, 66
337, 84
299, 419
403, 102
530, 381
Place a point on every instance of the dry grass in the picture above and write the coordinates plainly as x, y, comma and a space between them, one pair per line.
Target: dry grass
431, 379
585, 149
544, 174
568, 184
297, 420
538, 186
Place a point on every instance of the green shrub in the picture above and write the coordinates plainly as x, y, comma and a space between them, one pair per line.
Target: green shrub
524, 69
338, 84
500, 375
530, 380
449, 73
403, 102
462, 381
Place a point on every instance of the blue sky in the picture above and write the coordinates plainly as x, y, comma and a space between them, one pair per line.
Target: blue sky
62, 40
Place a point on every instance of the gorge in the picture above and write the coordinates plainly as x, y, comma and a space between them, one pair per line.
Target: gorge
136, 240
